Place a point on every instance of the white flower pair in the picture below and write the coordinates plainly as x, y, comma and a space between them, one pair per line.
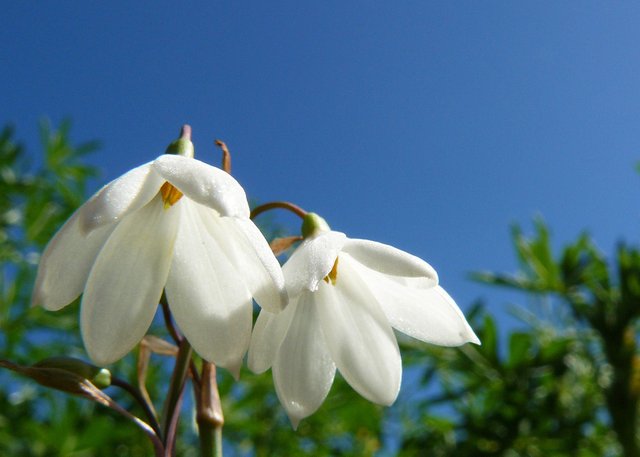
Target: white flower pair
181, 225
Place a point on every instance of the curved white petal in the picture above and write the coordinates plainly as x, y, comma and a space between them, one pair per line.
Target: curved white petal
303, 370
206, 294
126, 281
267, 336
66, 262
249, 252
204, 184
359, 336
127, 193
312, 261
392, 261
429, 315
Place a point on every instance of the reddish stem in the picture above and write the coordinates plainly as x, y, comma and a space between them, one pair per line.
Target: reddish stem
273, 205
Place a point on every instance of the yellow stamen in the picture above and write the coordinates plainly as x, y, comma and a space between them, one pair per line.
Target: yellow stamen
333, 274
170, 195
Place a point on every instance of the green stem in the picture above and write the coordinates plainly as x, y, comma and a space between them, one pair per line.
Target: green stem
210, 418
211, 443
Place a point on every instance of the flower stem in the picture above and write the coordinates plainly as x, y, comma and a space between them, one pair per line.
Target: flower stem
176, 388
158, 447
137, 395
284, 205
168, 320
175, 334
210, 418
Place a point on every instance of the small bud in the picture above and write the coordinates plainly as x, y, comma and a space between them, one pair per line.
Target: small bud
183, 145
312, 224
99, 377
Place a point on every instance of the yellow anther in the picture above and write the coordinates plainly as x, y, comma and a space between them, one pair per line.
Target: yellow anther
333, 274
170, 195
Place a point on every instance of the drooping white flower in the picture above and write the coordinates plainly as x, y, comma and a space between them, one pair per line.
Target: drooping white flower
176, 224
345, 296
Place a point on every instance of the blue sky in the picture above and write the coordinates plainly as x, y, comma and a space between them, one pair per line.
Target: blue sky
431, 126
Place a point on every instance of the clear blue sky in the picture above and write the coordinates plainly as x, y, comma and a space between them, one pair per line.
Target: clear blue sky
430, 126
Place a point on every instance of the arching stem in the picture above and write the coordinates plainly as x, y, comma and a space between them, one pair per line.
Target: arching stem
273, 205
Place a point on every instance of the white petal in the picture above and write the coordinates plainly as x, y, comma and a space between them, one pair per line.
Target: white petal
207, 297
249, 252
127, 193
66, 262
359, 336
303, 370
126, 282
204, 184
268, 333
312, 261
392, 261
429, 315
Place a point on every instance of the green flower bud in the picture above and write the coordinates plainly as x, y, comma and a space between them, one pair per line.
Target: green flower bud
312, 224
183, 145
99, 377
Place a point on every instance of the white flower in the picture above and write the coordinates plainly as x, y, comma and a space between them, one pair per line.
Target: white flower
345, 295
174, 223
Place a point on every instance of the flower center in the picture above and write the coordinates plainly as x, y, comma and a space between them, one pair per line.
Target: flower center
170, 195
332, 277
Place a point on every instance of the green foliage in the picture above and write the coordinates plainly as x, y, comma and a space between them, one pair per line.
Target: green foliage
541, 397
585, 372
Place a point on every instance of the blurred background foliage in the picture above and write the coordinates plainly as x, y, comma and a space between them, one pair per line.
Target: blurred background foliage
566, 382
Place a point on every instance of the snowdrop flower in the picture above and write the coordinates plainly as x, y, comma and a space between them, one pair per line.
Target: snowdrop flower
176, 224
345, 296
